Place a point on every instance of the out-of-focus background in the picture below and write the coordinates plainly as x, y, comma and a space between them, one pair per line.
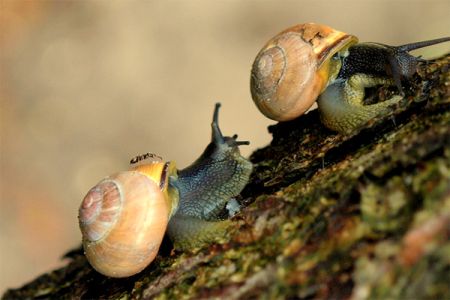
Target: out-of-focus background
86, 85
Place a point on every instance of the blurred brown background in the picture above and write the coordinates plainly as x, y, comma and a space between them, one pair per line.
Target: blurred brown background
86, 85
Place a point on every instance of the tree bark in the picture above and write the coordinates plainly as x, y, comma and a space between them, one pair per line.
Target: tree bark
364, 215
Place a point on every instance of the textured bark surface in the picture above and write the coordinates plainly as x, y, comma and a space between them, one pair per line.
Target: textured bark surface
325, 216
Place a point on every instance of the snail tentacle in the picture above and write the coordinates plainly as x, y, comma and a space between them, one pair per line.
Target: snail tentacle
219, 174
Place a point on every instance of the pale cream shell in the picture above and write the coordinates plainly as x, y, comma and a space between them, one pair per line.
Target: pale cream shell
133, 237
290, 71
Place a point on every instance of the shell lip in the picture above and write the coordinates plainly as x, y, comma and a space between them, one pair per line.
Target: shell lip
163, 174
338, 44
325, 40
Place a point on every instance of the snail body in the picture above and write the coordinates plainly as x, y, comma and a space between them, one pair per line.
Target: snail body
310, 62
124, 217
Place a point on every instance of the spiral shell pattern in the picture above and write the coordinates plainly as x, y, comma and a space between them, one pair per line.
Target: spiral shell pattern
99, 210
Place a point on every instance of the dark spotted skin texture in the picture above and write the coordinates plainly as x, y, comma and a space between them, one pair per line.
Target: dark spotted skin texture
383, 60
205, 187
366, 58
341, 104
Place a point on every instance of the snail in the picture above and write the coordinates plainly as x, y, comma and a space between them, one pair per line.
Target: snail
124, 217
310, 62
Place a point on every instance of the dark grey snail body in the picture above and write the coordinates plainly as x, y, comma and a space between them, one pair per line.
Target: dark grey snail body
124, 217
382, 60
206, 186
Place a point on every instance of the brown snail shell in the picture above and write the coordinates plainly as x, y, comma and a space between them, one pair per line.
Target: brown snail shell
124, 217
293, 68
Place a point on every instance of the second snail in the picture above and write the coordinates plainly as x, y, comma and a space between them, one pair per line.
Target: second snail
124, 217
309, 62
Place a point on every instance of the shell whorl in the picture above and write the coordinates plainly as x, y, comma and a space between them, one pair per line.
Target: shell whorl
99, 210
286, 68
291, 70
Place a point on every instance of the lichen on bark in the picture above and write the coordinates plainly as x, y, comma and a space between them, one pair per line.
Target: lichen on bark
364, 215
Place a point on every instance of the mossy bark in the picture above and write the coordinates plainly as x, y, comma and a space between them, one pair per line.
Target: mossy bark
364, 215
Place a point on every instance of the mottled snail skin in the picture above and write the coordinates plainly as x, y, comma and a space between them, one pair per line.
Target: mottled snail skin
123, 218
205, 187
382, 60
310, 62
